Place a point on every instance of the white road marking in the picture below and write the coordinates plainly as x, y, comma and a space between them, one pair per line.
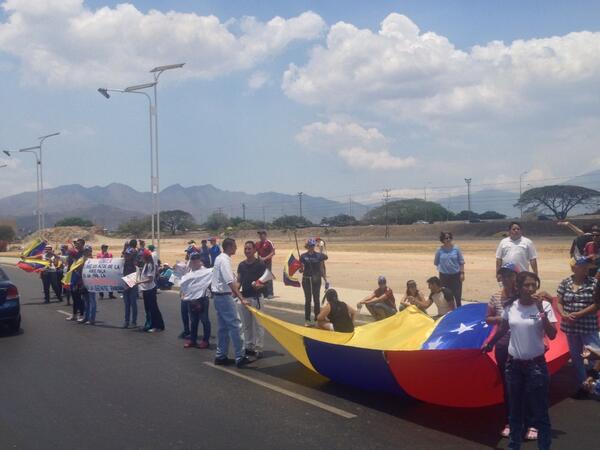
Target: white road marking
300, 397
63, 312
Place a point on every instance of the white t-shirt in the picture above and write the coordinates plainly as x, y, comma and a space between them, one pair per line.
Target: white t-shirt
518, 252
195, 284
148, 271
222, 274
526, 329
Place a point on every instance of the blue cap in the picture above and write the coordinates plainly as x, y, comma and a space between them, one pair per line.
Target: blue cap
381, 279
579, 261
511, 267
311, 242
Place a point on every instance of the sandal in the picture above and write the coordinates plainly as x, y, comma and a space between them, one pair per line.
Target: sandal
532, 434
505, 432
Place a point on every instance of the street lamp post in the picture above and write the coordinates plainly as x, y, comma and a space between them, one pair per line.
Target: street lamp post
105, 93
521, 190
468, 181
39, 159
37, 186
156, 72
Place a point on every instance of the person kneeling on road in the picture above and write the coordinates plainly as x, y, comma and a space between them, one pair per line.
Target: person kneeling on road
194, 290
381, 303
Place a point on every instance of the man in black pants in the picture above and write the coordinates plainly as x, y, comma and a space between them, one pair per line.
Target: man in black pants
313, 269
49, 276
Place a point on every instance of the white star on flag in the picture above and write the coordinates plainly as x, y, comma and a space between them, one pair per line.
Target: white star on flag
435, 344
463, 328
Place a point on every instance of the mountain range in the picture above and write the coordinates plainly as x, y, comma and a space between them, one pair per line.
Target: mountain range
116, 203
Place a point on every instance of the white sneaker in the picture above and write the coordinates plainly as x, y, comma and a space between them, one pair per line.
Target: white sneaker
152, 330
308, 323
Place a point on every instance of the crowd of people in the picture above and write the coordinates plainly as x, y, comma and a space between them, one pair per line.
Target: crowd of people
523, 315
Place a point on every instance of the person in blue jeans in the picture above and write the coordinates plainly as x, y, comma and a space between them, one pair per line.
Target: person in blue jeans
90, 309
130, 295
194, 290
529, 319
579, 310
223, 285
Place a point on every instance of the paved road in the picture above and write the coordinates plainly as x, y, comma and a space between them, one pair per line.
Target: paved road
70, 386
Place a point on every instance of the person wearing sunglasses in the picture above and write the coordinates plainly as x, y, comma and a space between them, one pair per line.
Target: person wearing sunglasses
451, 266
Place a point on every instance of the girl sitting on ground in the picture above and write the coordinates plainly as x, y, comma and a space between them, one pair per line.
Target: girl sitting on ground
336, 315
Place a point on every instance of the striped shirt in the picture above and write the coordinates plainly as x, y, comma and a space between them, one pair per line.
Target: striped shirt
576, 299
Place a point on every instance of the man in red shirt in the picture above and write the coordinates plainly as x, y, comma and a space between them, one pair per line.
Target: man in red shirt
103, 253
381, 303
266, 251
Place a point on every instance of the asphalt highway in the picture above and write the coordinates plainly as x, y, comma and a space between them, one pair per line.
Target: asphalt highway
69, 386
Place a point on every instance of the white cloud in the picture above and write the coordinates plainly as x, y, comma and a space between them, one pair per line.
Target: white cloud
257, 80
16, 177
65, 43
358, 147
406, 75
360, 158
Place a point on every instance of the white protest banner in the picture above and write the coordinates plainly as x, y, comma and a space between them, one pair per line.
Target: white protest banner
131, 279
103, 275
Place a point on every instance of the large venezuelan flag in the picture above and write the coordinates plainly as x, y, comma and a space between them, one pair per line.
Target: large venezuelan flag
35, 248
437, 362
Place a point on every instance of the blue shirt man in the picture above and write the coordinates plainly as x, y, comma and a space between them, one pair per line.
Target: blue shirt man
214, 251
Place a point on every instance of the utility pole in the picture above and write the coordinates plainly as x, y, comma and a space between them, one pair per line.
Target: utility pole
244, 211
468, 181
350, 205
386, 198
521, 190
300, 194
425, 198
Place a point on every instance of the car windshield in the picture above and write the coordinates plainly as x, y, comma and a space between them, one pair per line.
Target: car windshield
3, 276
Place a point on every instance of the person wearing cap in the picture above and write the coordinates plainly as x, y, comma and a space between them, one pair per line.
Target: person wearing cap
578, 309
381, 303
194, 290
224, 288
49, 276
591, 252
516, 249
248, 272
266, 252
336, 315
582, 239
508, 277
152, 249
147, 285
214, 250
104, 254
451, 266
130, 294
312, 269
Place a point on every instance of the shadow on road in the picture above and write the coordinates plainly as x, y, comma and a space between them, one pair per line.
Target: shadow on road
479, 425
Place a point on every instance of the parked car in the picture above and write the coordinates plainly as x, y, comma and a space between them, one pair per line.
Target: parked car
10, 308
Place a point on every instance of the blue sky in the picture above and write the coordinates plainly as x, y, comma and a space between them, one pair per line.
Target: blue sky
400, 95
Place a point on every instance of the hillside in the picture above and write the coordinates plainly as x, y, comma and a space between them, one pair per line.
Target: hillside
115, 203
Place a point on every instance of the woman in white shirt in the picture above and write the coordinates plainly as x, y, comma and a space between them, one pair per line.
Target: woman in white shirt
146, 283
529, 318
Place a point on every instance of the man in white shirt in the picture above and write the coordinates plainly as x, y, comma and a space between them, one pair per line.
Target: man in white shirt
224, 289
516, 249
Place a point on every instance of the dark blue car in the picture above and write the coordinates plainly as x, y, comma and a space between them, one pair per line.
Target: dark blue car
10, 309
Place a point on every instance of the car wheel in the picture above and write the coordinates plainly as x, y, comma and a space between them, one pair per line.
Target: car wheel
15, 326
